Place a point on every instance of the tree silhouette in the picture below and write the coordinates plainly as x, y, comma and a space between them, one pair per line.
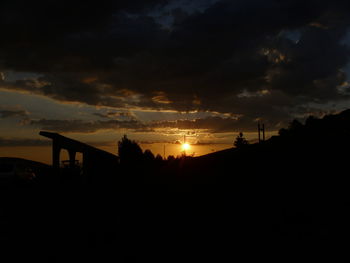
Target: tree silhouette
294, 128
129, 151
240, 141
148, 156
171, 158
159, 158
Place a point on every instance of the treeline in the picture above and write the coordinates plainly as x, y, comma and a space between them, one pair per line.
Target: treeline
130, 153
328, 132
333, 124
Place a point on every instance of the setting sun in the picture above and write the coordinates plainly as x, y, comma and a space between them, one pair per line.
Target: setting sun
186, 146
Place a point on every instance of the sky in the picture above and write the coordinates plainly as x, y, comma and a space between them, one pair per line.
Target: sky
157, 70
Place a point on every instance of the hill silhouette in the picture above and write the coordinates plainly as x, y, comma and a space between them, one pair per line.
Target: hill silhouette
21, 170
284, 199
24, 162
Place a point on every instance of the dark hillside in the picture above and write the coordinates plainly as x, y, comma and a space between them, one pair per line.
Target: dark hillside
23, 162
285, 200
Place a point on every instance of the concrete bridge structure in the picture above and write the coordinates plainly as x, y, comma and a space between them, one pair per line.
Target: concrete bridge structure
92, 157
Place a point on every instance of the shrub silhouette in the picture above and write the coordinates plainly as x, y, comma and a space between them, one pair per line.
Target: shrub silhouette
240, 141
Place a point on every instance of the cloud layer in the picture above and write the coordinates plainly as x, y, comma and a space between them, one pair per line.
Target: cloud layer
264, 60
12, 142
80, 126
214, 124
9, 113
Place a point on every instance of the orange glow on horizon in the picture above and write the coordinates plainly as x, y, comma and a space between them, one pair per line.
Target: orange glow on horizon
44, 153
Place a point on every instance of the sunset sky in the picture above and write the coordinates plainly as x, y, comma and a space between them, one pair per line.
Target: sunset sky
157, 70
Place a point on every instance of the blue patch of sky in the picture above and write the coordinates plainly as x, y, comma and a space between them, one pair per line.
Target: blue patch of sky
346, 41
42, 107
12, 76
164, 15
293, 35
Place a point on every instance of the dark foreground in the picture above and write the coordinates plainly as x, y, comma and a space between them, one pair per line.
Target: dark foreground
285, 200
283, 213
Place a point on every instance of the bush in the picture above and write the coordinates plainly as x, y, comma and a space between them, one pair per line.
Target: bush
240, 141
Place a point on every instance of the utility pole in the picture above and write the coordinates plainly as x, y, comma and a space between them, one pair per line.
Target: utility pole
261, 129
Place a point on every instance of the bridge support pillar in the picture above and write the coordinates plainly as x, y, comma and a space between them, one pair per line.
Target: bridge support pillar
56, 149
71, 158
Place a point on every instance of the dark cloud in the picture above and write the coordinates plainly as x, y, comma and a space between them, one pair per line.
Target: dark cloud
12, 142
313, 67
27, 142
216, 124
230, 57
13, 113
213, 124
56, 35
115, 114
80, 126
